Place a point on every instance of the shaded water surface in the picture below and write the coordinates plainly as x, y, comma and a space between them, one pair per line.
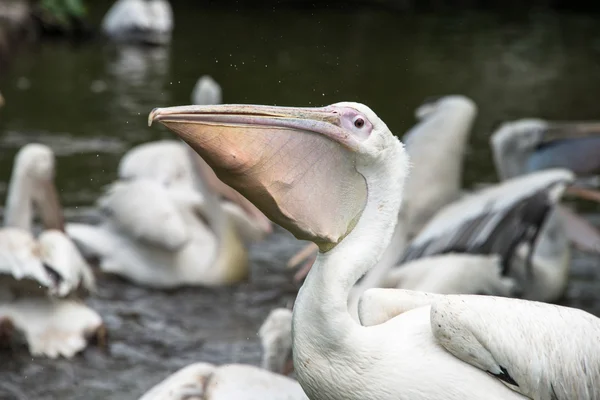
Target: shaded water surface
90, 104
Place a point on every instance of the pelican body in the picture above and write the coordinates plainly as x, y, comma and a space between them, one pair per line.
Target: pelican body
415, 345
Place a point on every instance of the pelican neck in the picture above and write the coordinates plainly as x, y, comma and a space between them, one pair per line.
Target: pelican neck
321, 318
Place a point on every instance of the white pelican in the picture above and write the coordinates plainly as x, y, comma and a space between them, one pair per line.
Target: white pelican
425, 346
207, 91
174, 164
42, 279
205, 381
164, 225
515, 220
139, 21
163, 237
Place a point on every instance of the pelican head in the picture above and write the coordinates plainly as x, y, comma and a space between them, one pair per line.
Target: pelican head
207, 91
276, 339
303, 167
34, 172
528, 145
452, 102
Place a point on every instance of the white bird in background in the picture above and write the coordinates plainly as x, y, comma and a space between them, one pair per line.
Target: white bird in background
205, 381
139, 21
513, 222
422, 344
42, 279
163, 237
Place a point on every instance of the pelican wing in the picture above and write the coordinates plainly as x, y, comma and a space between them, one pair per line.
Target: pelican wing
60, 253
21, 265
145, 211
540, 350
494, 220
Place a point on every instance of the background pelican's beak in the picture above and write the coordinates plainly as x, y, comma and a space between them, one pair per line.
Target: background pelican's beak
48, 202
574, 146
296, 165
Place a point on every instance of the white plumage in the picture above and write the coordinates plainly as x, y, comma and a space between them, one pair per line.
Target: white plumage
434, 346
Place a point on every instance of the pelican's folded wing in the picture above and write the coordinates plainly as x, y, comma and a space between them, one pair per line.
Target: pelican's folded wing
144, 210
540, 350
20, 262
60, 253
494, 220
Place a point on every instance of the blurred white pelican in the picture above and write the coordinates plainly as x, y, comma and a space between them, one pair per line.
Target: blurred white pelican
205, 381
162, 237
164, 225
414, 345
139, 21
41, 280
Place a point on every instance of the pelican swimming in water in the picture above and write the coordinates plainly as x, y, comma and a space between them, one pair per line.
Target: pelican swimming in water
42, 279
139, 21
165, 226
204, 381
332, 175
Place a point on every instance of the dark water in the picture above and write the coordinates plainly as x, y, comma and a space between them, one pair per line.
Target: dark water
90, 104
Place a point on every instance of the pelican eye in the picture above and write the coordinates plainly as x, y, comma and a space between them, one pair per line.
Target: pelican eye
359, 122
